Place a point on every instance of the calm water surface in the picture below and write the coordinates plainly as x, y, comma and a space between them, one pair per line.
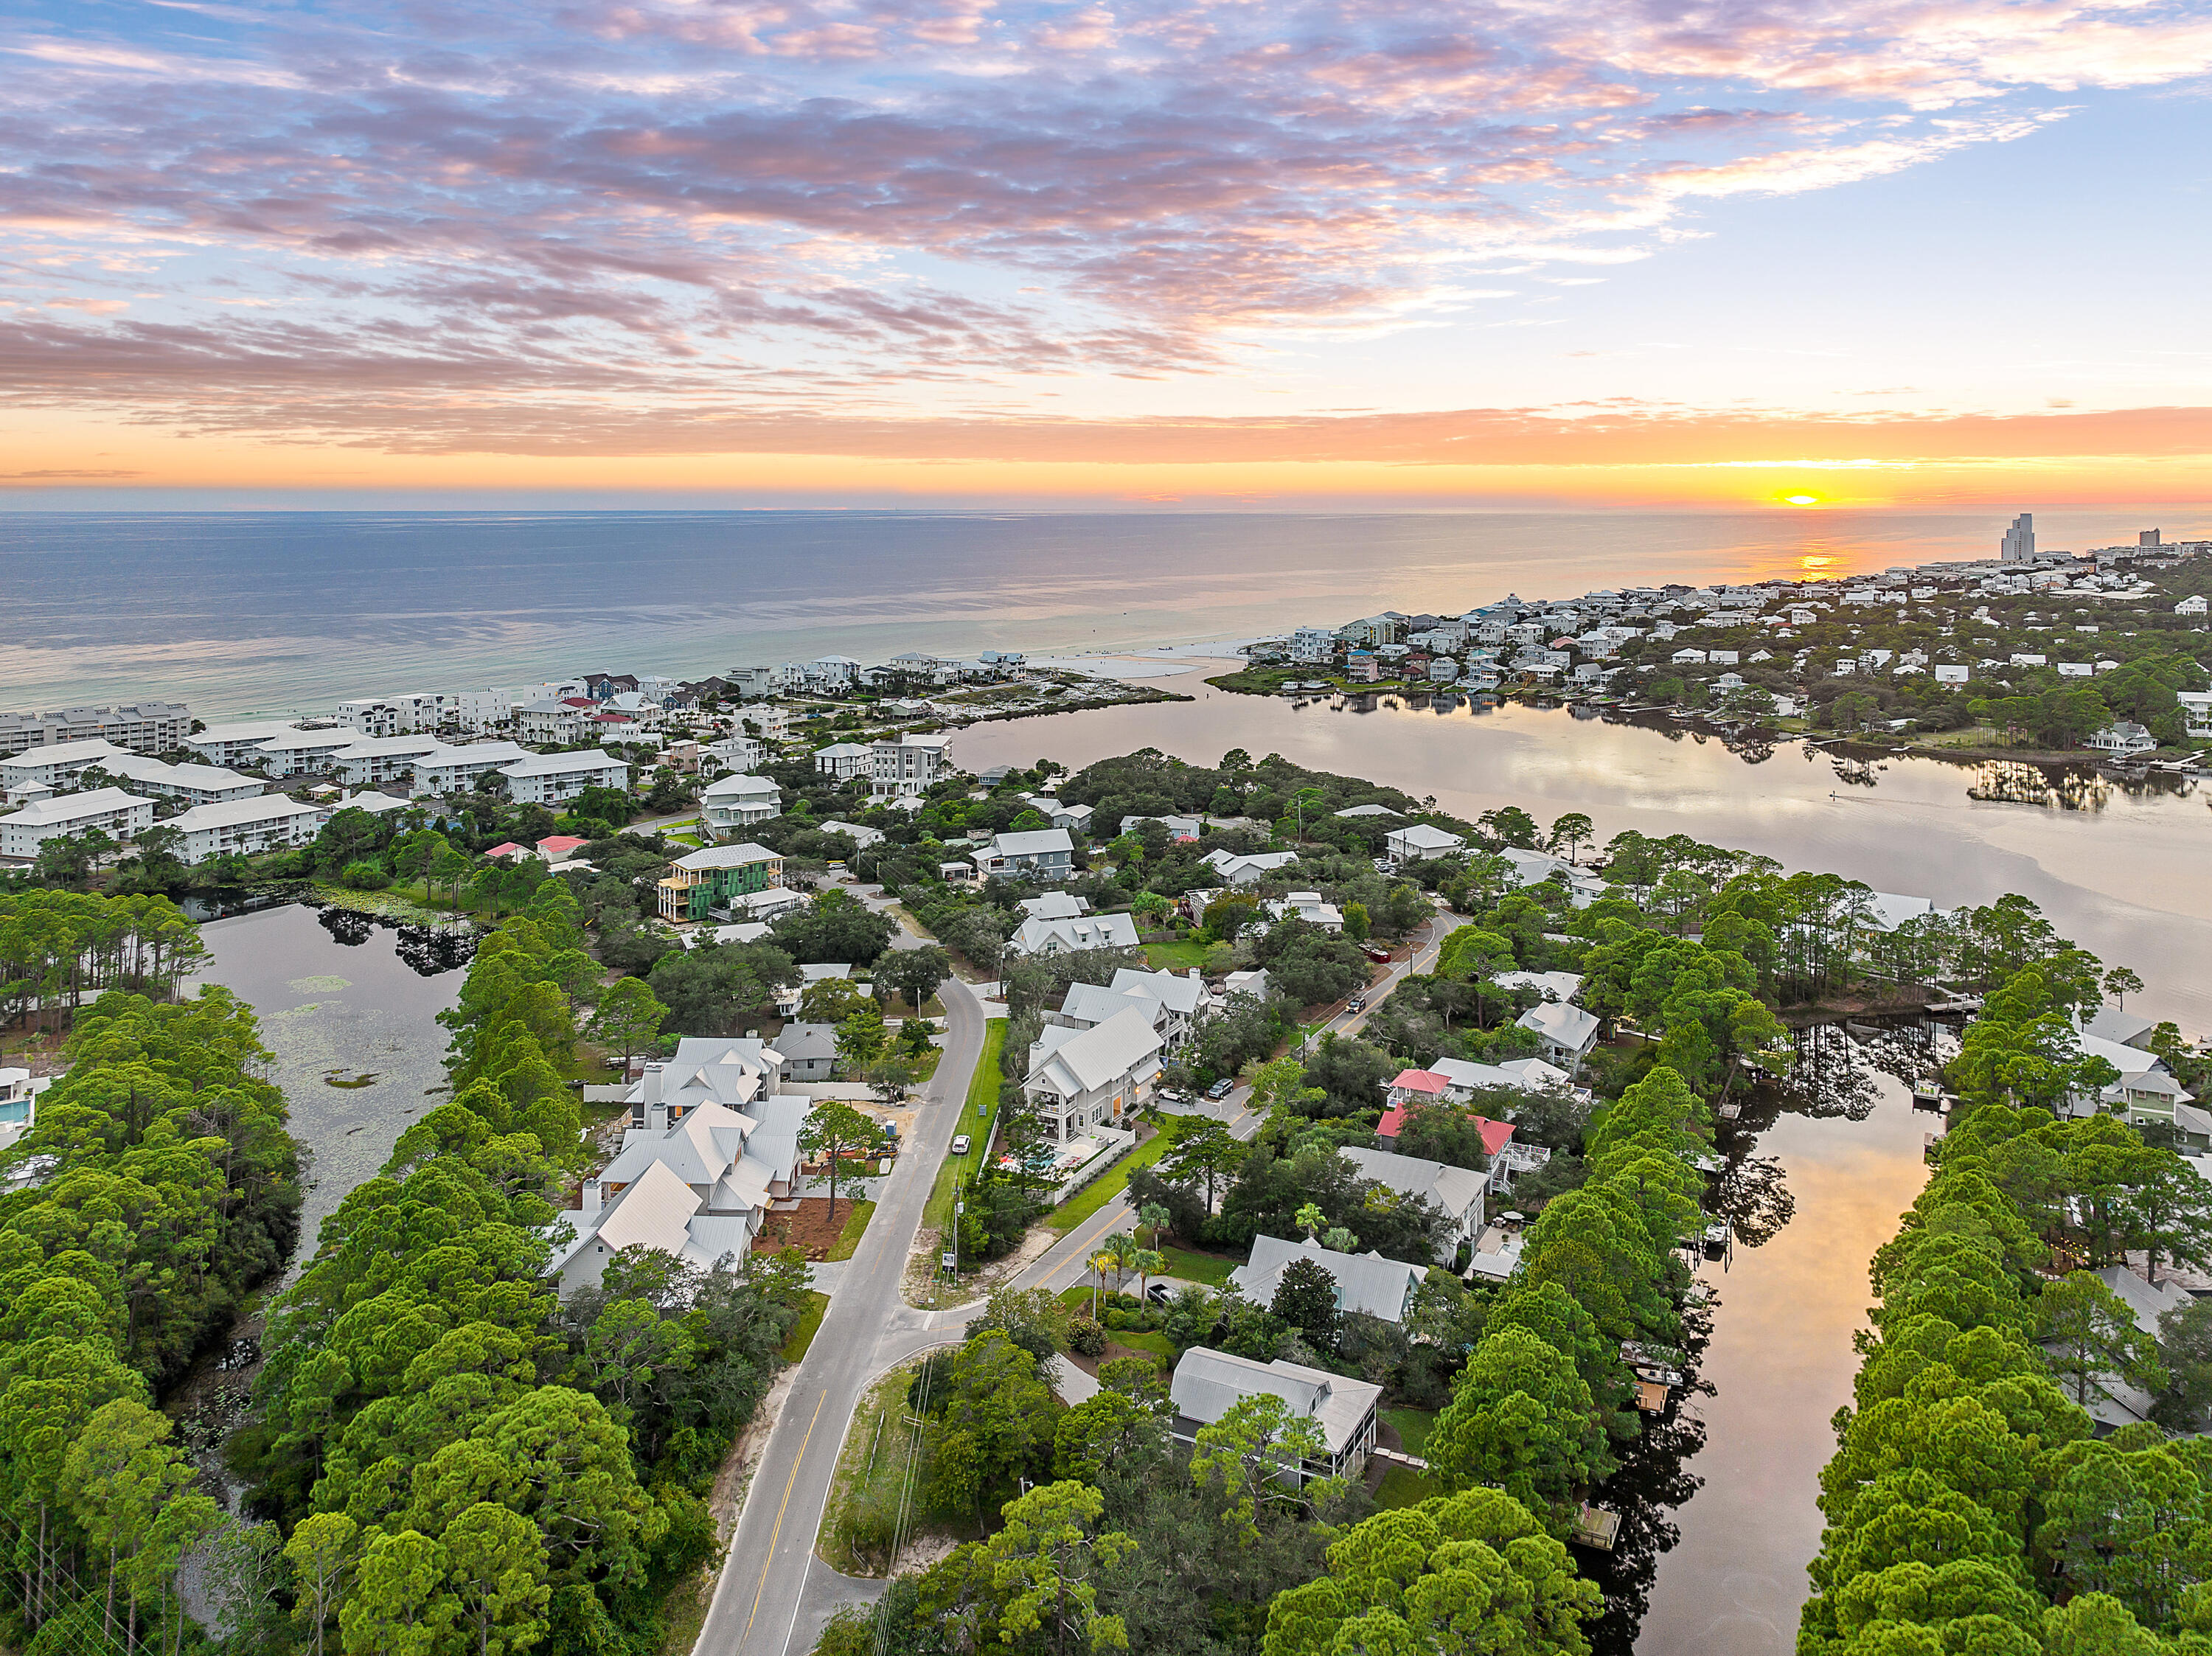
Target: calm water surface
2122, 872
291, 611
2125, 876
337, 995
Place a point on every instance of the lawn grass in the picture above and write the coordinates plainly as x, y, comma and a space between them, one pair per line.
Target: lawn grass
1111, 1183
1212, 1269
1412, 1426
862, 1515
1175, 956
855, 1228
1157, 1345
1404, 1487
975, 1115
808, 1325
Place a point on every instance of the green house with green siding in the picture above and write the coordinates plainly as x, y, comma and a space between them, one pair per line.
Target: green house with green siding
710, 878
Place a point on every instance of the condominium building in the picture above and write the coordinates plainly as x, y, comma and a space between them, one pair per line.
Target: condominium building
240, 744
123, 816
299, 753
548, 779
137, 726
196, 784
373, 760
248, 826
45, 768
392, 715
447, 769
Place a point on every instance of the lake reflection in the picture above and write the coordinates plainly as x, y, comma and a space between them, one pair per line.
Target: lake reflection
2119, 868
341, 997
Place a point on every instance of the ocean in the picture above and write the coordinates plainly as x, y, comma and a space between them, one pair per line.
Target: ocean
287, 613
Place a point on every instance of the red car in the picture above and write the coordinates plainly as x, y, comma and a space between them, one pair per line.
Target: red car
1377, 954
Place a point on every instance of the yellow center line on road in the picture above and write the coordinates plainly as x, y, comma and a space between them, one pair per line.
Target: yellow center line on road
768, 1562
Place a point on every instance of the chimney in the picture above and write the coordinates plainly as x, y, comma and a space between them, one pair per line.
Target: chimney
656, 1113
590, 1202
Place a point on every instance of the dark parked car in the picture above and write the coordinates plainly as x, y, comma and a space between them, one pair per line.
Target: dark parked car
1220, 1088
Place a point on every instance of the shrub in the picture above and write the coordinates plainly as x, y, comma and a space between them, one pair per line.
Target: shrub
364, 876
1086, 1338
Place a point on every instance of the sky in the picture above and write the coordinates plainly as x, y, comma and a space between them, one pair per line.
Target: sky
1864, 254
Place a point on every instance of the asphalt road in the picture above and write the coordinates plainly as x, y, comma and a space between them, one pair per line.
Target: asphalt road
762, 1594
868, 1328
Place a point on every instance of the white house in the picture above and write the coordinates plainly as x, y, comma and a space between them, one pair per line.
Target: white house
735, 753
1055, 905
1245, 870
1063, 934
1307, 906
1171, 1001
248, 826
547, 779
1567, 1032
1946, 674
711, 1146
739, 802
1418, 841
1313, 645
447, 769
1080, 1079
908, 764
1208, 1384
1364, 1282
123, 816
2194, 604
1457, 1190
842, 761
196, 784
2123, 737
483, 710
394, 715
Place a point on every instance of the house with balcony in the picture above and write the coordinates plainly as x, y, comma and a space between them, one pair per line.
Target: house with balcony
550, 779
1082, 1079
1208, 1384
247, 827
44, 769
447, 769
1457, 1190
739, 802
1171, 1001
1067, 933
121, 815
907, 766
1039, 854
714, 878
710, 1147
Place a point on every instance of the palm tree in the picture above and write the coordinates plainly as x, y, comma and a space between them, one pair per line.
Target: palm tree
1149, 1263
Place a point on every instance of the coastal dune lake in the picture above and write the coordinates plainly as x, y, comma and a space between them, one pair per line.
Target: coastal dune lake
2121, 870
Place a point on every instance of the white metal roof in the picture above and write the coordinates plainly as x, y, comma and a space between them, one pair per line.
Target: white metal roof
1364, 1282
1455, 1190
1208, 1384
73, 807
231, 813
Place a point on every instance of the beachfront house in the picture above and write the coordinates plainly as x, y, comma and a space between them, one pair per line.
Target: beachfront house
907, 766
1208, 1384
1081, 1079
